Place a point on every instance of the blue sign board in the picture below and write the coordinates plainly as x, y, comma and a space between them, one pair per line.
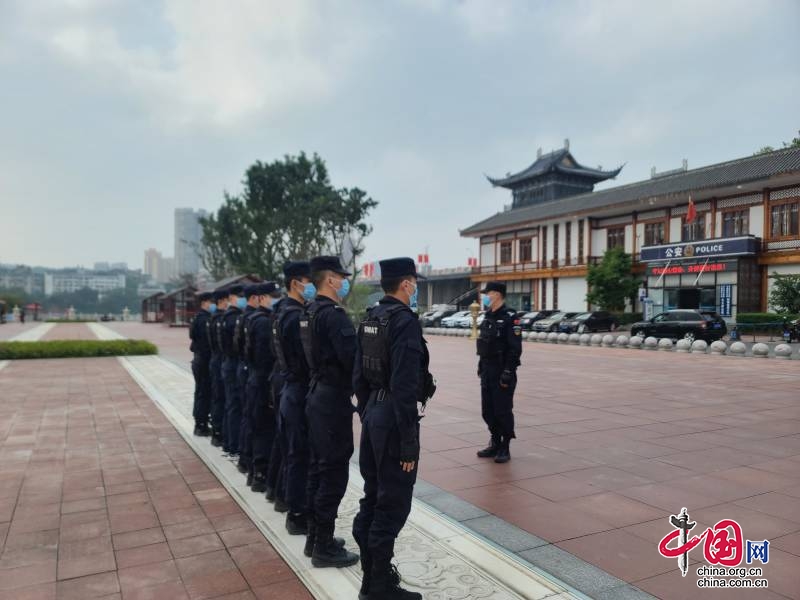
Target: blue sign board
738, 246
725, 293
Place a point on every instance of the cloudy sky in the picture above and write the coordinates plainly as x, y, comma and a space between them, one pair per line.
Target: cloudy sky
115, 112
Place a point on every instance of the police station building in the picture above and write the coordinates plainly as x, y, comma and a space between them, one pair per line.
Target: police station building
743, 225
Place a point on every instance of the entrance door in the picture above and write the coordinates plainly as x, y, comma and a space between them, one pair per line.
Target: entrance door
689, 298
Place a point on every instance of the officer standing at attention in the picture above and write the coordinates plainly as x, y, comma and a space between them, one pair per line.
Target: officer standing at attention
391, 376
499, 348
230, 366
215, 366
329, 344
276, 479
259, 403
198, 333
240, 337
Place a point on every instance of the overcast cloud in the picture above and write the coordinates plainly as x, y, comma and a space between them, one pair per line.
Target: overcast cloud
116, 112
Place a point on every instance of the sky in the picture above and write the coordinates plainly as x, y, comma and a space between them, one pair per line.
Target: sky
113, 113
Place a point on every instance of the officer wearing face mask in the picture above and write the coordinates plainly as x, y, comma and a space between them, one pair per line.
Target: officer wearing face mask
391, 376
230, 368
499, 348
329, 344
201, 349
240, 335
215, 366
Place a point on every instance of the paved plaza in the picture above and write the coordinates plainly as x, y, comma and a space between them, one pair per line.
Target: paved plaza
611, 442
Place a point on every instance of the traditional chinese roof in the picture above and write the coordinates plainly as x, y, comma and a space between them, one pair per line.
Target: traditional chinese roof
223, 283
558, 161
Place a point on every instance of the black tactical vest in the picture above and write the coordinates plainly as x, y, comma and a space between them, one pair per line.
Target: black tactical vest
309, 339
249, 350
277, 343
373, 339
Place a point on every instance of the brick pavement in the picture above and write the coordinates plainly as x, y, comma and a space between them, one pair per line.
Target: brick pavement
101, 498
70, 331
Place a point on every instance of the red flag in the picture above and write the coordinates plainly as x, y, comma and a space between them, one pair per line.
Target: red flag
425, 256
691, 213
419, 259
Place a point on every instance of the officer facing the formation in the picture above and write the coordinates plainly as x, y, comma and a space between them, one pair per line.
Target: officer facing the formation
198, 333
499, 348
215, 367
240, 337
259, 404
391, 376
230, 366
329, 344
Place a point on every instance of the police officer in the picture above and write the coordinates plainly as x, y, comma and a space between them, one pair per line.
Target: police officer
240, 336
276, 473
329, 344
198, 333
391, 376
260, 408
230, 366
499, 348
215, 366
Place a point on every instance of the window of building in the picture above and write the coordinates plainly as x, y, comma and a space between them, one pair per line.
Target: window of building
694, 231
735, 222
616, 238
784, 220
555, 294
568, 241
505, 253
525, 250
654, 234
544, 245
580, 241
555, 243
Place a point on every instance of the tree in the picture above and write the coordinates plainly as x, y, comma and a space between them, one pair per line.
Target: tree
287, 209
611, 282
785, 294
795, 143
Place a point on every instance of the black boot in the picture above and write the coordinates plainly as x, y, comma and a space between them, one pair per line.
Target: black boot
249, 478
503, 454
385, 583
216, 439
491, 450
201, 430
270, 493
311, 537
327, 553
296, 523
259, 484
280, 505
242, 468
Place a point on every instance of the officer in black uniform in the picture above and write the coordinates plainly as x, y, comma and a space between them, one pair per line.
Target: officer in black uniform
260, 407
215, 366
391, 376
240, 336
329, 344
499, 348
198, 333
276, 473
230, 366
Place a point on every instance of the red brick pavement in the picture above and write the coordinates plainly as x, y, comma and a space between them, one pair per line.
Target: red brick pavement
101, 498
70, 331
9, 330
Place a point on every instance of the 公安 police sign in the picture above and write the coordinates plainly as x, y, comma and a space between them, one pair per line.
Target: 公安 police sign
738, 246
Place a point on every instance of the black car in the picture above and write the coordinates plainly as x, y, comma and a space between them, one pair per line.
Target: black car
588, 322
552, 322
677, 324
434, 317
528, 319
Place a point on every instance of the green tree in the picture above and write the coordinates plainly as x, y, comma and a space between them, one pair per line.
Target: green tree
611, 282
785, 294
795, 143
287, 209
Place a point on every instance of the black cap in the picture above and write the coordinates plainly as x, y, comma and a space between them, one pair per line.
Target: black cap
399, 267
297, 268
494, 286
221, 294
203, 296
267, 288
235, 289
328, 263
251, 290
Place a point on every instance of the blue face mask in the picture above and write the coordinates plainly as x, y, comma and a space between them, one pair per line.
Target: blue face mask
486, 301
345, 289
412, 302
241, 302
212, 308
309, 291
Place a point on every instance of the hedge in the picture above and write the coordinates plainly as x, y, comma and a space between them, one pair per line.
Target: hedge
758, 318
74, 349
71, 320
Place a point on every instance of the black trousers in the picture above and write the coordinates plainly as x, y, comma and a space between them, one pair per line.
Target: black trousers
294, 437
330, 430
276, 474
217, 394
202, 388
497, 403
233, 404
261, 419
245, 424
388, 490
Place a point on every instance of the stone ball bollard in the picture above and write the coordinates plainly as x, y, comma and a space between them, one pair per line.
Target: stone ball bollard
622, 341
597, 339
718, 348
699, 347
650, 343
585, 339
737, 349
783, 351
665, 344
761, 351
635, 342
683, 346
563, 338
608, 341
552, 337
574, 338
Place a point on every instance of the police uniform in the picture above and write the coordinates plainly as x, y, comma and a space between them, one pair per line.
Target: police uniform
245, 426
276, 480
391, 377
260, 410
198, 333
215, 367
329, 344
499, 347
230, 366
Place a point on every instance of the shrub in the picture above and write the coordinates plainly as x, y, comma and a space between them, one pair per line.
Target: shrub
74, 349
70, 320
759, 318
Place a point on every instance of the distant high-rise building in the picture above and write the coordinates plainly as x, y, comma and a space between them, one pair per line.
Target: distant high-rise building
167, 270
102, 266
188, 240
160, 269
120, 266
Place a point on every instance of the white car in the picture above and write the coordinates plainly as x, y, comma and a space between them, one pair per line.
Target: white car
452, 320
466, 321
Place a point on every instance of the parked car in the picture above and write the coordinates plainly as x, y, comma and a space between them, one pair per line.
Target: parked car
676, 324
466, 321
588, 322
552, 322
434, 318
454, 318
528, 319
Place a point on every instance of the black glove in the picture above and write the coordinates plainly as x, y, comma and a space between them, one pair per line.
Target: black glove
507, 378
409, 450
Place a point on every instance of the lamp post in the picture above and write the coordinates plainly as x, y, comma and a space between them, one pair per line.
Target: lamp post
474, 310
